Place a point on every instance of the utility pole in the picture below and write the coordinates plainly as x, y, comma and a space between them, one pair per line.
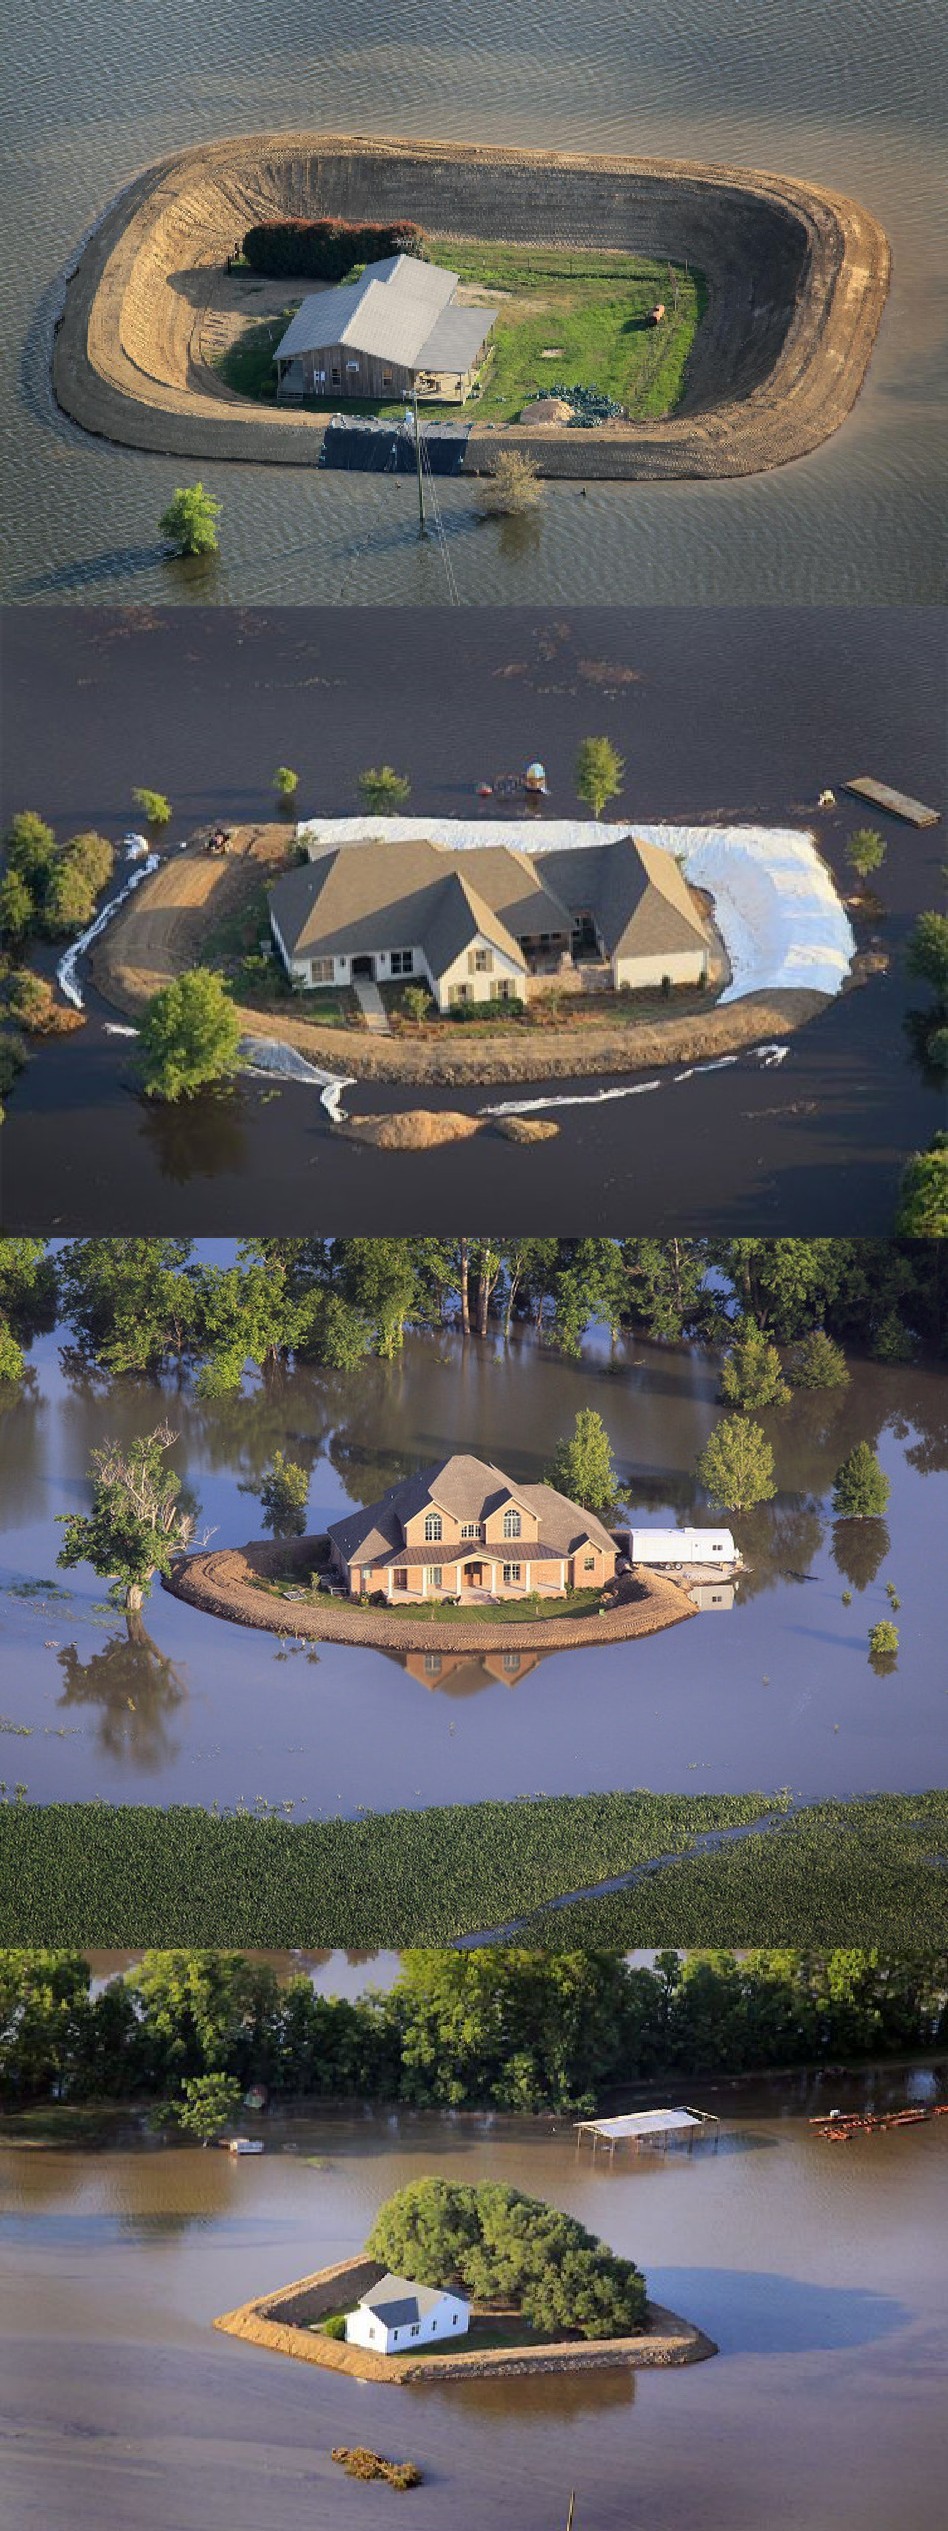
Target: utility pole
422, 521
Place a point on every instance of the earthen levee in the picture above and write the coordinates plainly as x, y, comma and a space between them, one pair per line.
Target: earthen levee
226, 1583
283, 2322
796, 278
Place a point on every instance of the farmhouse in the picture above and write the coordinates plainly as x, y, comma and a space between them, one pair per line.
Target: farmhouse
395, 2315
396, 332
490, 923
464, 1530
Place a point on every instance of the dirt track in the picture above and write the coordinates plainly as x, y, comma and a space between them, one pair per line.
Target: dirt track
225, 1583
165, 926
797, 280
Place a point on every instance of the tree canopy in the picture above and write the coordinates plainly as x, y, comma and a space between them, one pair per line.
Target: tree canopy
599, 774
190, 1035
736, 1466
582, 1465
861, 1488
190, 521
136, 1522
503, 2247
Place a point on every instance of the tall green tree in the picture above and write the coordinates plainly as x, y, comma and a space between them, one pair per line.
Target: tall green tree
190, 521
504, 2248
284, 1493
751, 1373
861, 1488
582, 1466
190, 1037
599, 773
736, 1466
382, 791
136, 1523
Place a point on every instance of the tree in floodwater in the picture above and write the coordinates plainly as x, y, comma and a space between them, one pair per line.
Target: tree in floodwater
599, 773
210, 2103
136, 1524
501, 2246
736, 1466
382, 790
284, 1493
190, 1036
861, 1488
751, 1373
923, 1195
582, 1465
883, 1646
865, 851
190, 521
818, 1363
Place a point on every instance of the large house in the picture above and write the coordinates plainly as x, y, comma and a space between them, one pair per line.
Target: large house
464, 1530
490, 922
397, 332
395, 2315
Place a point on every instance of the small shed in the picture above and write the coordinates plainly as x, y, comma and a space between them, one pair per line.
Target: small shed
682, 1546
395, 2315
653, 2129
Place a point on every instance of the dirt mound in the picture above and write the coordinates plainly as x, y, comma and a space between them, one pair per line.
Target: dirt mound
527, 1128
419, 1129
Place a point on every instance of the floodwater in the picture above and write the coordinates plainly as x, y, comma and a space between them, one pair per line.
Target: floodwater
720, 714
846, 97
818, 2270
776, 1691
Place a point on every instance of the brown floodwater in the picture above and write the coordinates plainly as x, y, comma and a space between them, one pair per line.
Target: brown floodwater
818, 2270
776, 1691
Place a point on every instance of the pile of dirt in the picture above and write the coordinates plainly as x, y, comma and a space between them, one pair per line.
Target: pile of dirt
547, 410
527, 1128
419, 1129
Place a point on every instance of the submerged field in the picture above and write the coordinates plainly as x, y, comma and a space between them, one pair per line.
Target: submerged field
565, 317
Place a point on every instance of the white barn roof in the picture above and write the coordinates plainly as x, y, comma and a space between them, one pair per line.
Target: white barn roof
644, 2122
400, 310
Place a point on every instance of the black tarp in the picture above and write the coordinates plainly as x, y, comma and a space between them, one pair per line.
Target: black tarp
361, 445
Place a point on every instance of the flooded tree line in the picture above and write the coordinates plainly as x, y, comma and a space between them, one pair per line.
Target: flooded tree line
505, 2028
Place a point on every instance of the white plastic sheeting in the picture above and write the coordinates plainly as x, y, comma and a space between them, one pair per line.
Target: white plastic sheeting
775, 905
66, 970
271, 1060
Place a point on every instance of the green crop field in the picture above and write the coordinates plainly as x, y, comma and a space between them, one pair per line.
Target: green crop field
589, 310
837, 1872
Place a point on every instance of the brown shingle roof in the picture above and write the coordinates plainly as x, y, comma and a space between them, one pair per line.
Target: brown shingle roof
635, 891
468, 1489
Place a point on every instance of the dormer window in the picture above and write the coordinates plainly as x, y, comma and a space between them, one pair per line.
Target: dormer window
434, 1526
470, 1528
512, 1524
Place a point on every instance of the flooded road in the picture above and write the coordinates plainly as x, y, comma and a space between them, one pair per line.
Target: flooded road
723, 715
819, 2272
848, 98
777, 1691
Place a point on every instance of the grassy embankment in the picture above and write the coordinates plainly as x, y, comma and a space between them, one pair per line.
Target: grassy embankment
838, 1872
590, 309
447, 1612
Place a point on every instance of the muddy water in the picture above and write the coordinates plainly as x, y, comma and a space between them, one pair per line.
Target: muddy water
776, 1691
846, 97
736, 715
819, 2271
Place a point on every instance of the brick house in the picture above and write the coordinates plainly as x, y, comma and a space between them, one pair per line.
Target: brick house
464, 1530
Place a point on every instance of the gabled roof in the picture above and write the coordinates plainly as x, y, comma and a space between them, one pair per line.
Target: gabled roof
398, 2302
369, 896
468, 1489
635, 891
400, 310
458, 917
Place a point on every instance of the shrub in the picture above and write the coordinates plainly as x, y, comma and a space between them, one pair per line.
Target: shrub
31, 1000
817, 1363
326, 249
860, 1488
154, 806
883, 1640
382, 790
512, 488
335, 2326
417, 1002
190, 520
865, 851
511, 1007
12, 1059
923, 1196
286, 781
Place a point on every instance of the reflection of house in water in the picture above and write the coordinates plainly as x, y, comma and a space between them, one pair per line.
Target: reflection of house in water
466, 1673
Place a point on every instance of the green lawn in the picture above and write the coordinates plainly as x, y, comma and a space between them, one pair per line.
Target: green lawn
501, 1612
589, 308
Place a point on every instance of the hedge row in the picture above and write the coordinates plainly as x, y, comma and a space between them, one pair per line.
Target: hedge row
870, 1871
324, 250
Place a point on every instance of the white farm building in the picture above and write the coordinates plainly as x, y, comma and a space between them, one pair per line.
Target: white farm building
681, 1546
395, 2315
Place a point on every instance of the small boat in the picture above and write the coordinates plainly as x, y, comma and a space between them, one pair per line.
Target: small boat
243, 2144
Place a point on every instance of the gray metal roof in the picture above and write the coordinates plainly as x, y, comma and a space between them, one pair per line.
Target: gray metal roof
392, 313
398, 2302
456, 339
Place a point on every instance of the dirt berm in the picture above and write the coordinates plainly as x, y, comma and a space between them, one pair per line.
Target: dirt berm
796, 280
166, 925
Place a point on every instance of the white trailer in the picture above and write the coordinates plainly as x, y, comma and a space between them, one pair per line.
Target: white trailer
682, 1546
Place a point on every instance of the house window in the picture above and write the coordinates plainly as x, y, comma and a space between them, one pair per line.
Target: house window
401, 1578
337, 377
415, 2330
433, 1576
513, 1525
322, 970
512, 1572
461, 993
589, 1564
403, 961
433, 1664
388, 377
511, 1660
454, 2320
480, 961
434, 1526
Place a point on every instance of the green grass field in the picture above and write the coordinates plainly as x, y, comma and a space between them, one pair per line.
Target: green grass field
861, 1872
589, 309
